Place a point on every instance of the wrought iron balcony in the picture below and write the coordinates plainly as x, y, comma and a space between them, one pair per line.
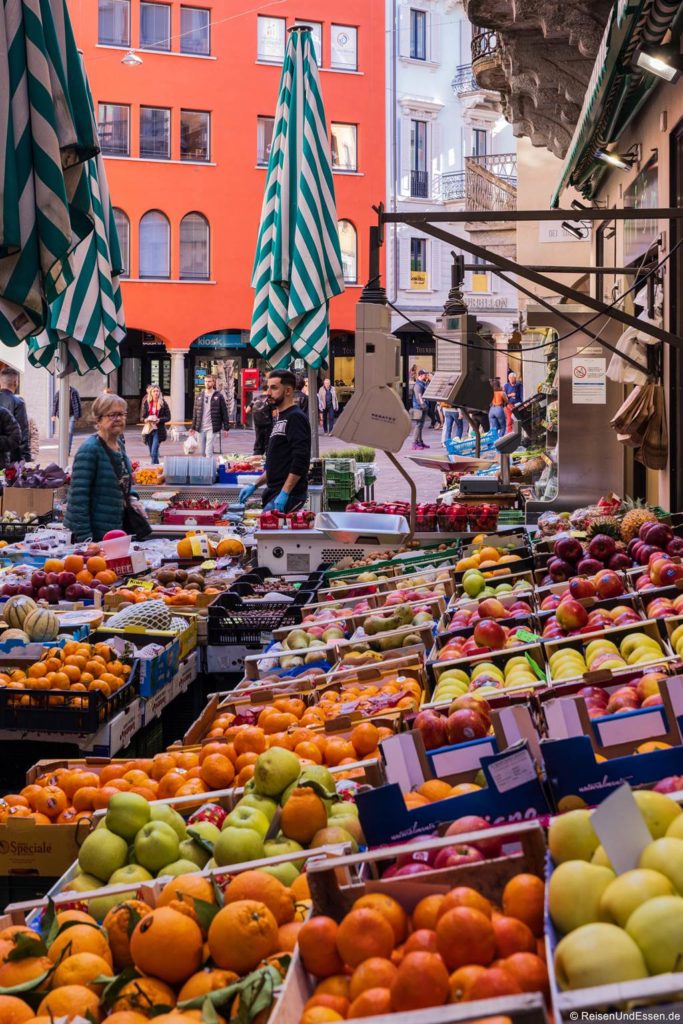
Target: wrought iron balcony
487, 64
463, 81
491, 182
484, 44
452, 186
419, 184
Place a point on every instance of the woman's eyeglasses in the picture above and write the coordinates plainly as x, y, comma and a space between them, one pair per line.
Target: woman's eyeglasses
114, 416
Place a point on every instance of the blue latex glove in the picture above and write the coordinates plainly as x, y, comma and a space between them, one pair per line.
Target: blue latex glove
246, 493
279, 503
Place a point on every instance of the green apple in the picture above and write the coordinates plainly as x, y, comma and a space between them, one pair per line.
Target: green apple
100, 906
600, 857
189, 850
574, 893
205, 830
342, 808
666, 856
156, 844
571, 837
275, 770
162, 812
285, 873
281, 845
102, 852
238, 846
131, 873
627, 892
248, 817
261, 803
657, 929
126, 814
473, 583
597, 954
178, 867
658, 810
83, 883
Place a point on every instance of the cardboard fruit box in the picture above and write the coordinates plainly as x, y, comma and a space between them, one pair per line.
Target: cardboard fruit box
533, 654
28, 848
617, 635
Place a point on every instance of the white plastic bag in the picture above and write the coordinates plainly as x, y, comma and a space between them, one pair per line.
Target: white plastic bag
190, 445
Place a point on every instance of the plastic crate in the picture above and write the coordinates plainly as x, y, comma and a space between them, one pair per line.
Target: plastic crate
83, 712
233, 620
246, 585
201, 471
17, 531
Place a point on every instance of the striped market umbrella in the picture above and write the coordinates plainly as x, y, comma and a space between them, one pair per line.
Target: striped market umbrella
59, 252
298, 267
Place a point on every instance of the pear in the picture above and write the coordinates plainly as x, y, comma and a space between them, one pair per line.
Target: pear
627, 892
574, 893
597, 954
657, 929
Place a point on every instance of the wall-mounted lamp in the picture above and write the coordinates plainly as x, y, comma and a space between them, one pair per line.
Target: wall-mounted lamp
624, 161
580, 232
663, 61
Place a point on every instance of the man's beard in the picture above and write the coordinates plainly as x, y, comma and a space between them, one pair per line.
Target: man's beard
277, 401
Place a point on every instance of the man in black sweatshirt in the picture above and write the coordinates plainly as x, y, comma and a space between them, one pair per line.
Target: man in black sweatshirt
289, 449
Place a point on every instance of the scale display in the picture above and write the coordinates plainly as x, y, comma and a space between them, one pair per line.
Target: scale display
443, 387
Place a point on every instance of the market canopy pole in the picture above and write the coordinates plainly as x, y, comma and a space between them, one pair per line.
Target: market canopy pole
297, 266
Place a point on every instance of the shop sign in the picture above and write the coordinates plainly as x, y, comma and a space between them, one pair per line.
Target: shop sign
221, 339
589, 381
418, 280
487, 303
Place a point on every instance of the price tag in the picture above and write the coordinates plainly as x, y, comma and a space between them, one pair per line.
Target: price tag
210, 564
141, 584
526, 636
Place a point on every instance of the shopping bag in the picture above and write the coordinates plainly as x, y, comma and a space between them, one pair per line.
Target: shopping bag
654, 451
190, 445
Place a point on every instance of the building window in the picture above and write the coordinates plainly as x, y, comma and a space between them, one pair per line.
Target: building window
194, 247
270, 39
155, 133
419, 176
479, 142
316, 28
348, 241
113, 23
155, 245
123, 231
155, 26
479, 279
113, 126
418, 264
344, 146
418, 34
344, 47
194, 135
264, 139
195, 31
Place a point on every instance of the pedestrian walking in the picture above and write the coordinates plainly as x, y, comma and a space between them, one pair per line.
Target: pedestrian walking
497, 409
514, 393
210, 415
262, 418
419, 408
301, 394
10, 438
75, 412
452, 421
328, 403
155, 414
9, 384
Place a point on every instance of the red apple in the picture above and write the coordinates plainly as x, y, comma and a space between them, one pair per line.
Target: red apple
472, 823
416, 856
671, 572
491, 608
416, 867
488, 633
571, 615
451, 856
465, 725
432, 727
588, 567
608, 584
550, 603
52, 579
672, 784
624, 699
594, 693
648, 685
580, 587
654, 701
67, 579
467, 702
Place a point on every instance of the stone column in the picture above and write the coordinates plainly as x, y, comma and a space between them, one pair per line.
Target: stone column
177, 397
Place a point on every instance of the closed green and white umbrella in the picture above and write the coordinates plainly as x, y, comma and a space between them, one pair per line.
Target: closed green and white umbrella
297, 268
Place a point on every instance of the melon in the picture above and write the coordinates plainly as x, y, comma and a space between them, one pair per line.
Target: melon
17, 610
14, 634
42, 624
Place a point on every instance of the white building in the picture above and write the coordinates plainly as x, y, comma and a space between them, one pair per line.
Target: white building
448, 148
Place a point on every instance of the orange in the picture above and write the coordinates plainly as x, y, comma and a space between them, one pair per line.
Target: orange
512, 936
373, 1002
300, 888
464, 896
245, 760
465, 936
376, 972
144, 995
161, 764
423, 939
278, 721
335, 985
186, 888
435, 789
288, 934
258, 885
523, 899
167, 945
337, 749
74, 564
71, 1001
82, 969
413, 800
126, 1017
426, 912
390, 909
303, 815
337, 1003
320, 1015
85, 577
74, 915
244, 776
84, 799
120, 923
364, 933
81, 938
461, 980
309, 751
493, 983
364, 738
53, 565
14, 1011
529, 971
250, 738
421, 981
241, 935
209, 979
18, 972
94, 565
318, 947
217, 771
169, 784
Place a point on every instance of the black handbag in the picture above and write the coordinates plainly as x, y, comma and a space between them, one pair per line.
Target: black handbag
134, 523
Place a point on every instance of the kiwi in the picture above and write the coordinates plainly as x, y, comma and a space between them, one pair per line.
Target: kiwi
192, 586
180, 575
166, 575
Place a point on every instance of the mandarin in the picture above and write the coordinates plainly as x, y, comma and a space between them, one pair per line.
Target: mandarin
523, 898
241, 935
421, 981
363, 933
390, 909
259, 885
167, 945
465, 936
375, 972
318, 947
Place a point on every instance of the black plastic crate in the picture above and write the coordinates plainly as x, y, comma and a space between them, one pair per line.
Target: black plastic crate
63, 711
234, 621
246, 585
13, 532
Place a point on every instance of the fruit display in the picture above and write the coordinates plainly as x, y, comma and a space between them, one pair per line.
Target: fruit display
77, 667
73, 578
468, 718
617, 927
663, 607
475, 584
488, 558
618, 654
654, 541
642, 692
149, 476
572, 617
487, 679
184, 594
227, 547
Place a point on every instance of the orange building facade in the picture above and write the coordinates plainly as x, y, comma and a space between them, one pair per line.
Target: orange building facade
185, 92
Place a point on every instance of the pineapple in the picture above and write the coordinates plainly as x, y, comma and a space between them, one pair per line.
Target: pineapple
635, 514
608, 525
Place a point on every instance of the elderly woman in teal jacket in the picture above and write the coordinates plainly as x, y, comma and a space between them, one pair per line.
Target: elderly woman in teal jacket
96, 495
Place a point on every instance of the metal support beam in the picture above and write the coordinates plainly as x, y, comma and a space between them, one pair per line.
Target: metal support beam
480, 268
550, 284
513, 216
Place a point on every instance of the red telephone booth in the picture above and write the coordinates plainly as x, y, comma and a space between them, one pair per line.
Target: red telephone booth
250, 385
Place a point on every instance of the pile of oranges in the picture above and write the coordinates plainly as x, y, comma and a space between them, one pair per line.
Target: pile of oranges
367, 698
433, 790
87, 571
489, 559
454, 947
77, 667
173, 955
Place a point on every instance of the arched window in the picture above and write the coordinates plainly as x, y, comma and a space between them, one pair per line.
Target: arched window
194, 247
348, 240
123, 231
155, 245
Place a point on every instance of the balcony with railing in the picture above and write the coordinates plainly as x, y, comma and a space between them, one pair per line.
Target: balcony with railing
463, 82
419, 184
487, 65
491, 182
449, 187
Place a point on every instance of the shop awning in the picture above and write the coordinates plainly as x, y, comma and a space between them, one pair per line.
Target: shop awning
616, 90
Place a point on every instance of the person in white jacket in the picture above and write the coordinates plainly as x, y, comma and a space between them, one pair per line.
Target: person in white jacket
328, 403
